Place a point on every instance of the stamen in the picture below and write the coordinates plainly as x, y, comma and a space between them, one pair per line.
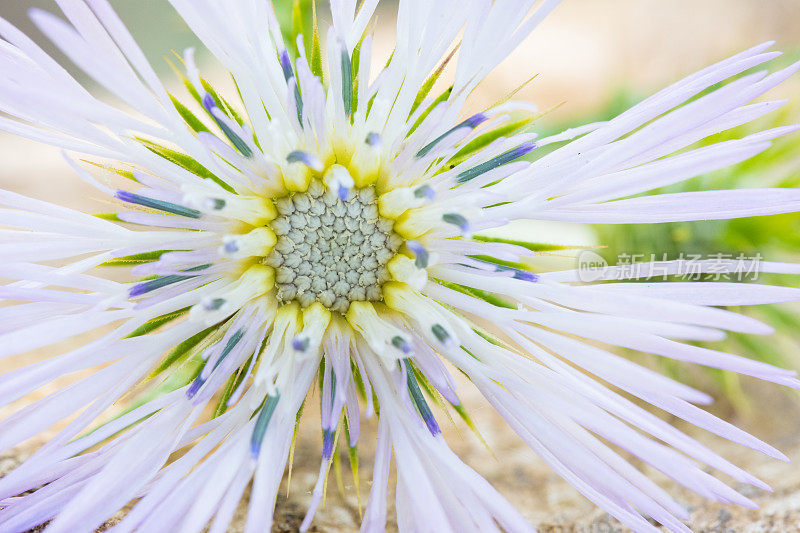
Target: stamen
338, 179
300, 343
457, 220
525, 276
217, 204
374, 140
214, 111
405, 270
309, 160
472, 122
214, 304
378, 333
502, 159
327, 444
160, 205
420, 253
442, 335
286, 65
260, 429
231, 247
426, 191
255, 281
419, 400
401, 344
257, 243
315, 321
288, 74
347, 82
158, 283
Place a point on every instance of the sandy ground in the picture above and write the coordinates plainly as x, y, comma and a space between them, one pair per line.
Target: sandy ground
584, 53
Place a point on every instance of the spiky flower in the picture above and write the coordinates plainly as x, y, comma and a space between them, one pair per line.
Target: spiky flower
324, 227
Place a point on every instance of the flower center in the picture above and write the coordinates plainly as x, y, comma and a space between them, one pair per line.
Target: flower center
330, 250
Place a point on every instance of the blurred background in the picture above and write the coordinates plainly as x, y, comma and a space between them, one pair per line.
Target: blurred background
594, 58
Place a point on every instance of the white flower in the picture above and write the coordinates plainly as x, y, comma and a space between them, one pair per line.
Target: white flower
332, 229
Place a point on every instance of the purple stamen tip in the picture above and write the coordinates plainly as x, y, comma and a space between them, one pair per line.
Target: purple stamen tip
526, 148
415, 247
420, 253
373, 139
526, 276
309, 160
138, 290
125, 196
208, 102
231, 247
300, 344
286, 61
327, 444
401, 344
476, 120
432, 425
195, 387
214, 304
343, 192
426, 192
457, 220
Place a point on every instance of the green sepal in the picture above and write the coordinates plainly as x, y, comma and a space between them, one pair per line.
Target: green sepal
302, 24
358, 380
356, 66
127, 174
439, 99
192, 120
182, 350
136, 259
315, 59
221, 102
111, 217
233, 383
500, 262
156, 323
352, 455
184, 161
486, 296
186, 81
426, 88
482, 141
533, 246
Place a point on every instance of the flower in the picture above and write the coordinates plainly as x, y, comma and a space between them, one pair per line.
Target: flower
322, 228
